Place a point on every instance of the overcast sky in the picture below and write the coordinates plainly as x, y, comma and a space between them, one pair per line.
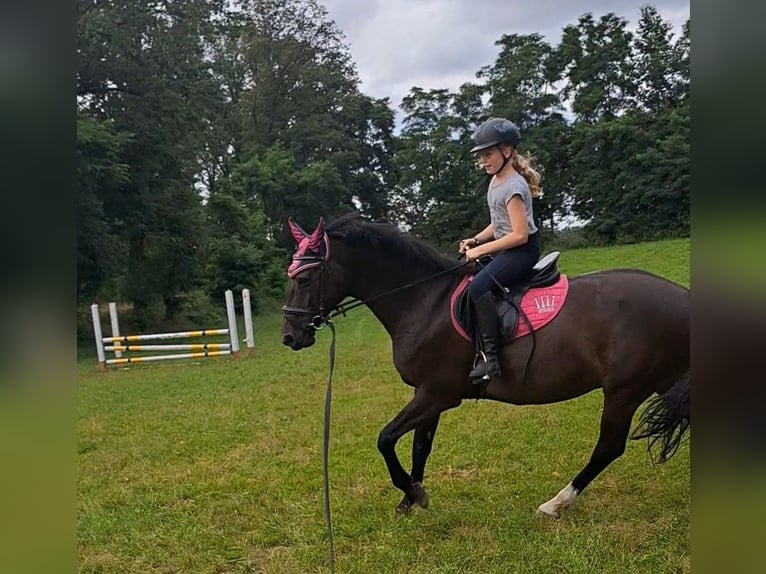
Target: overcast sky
399, 44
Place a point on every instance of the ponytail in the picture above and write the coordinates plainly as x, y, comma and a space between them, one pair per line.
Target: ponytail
523, 165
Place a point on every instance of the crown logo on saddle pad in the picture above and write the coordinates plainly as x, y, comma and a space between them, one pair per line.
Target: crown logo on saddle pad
545, 303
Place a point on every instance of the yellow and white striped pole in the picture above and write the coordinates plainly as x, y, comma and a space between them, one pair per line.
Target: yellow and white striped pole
129, 360
117, 347
161, 336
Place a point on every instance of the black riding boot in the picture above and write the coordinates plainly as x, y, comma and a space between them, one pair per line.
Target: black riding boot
487, 338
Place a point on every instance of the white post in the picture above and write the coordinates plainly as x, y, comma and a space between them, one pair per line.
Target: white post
232, 323
99, 337
115, 325
249, 338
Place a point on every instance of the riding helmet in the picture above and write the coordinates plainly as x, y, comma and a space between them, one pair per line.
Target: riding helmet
495, 131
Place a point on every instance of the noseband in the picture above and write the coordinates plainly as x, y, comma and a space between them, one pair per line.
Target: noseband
317, 322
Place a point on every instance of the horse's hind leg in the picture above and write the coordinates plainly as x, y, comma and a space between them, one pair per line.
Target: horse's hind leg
615, 425
421, 448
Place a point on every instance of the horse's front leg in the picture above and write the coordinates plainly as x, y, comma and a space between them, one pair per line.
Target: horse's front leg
421, 448
421, 413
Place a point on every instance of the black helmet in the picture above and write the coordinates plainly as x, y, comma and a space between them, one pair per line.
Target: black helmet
495, 131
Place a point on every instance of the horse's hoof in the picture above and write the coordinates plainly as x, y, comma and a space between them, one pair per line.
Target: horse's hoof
421, 496
404, 508
547, 510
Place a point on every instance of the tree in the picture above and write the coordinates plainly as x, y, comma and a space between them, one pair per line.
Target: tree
435, 196
306, 112
662, 190
142, 67
550, 142
520, 82
100, 171
631, 134
602, 153
632, 179
659, 63
240, 253
596, 57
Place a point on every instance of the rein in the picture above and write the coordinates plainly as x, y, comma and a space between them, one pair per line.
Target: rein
342, 308
318, 322
326, 448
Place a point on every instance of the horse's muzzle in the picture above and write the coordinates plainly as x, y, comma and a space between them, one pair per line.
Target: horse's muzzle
296, 344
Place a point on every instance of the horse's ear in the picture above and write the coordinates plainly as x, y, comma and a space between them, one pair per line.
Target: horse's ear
296, 231
316, 238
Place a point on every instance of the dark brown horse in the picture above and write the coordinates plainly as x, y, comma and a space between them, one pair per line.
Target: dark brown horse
625, 331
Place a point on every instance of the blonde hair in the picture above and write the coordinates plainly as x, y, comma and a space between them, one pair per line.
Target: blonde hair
523, 165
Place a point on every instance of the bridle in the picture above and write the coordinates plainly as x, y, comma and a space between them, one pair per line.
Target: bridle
318, 319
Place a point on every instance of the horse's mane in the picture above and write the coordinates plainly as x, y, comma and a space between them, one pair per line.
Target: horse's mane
353, 229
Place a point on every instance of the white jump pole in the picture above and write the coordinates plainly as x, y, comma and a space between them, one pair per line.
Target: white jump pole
99, 337
249, 338
232, 324
115, 325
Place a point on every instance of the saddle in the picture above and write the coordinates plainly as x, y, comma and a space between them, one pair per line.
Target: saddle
536, 301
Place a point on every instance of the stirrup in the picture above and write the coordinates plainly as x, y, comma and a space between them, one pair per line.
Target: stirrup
480, 356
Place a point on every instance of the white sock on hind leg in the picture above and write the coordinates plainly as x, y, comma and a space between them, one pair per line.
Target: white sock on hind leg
564, 498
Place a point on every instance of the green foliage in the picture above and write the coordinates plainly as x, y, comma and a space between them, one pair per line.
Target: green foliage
596, 59
240, 255
305, 107
661, 67
549, 143
435, 196
201, 128
99, 172
633, 180
631, 141
521, 79
141, 66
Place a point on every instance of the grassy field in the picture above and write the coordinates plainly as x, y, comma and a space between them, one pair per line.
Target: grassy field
215, 466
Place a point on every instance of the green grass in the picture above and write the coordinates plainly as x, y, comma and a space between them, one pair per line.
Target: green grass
667, 258
215, 466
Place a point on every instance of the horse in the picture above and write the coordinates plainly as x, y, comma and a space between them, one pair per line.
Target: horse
625, 331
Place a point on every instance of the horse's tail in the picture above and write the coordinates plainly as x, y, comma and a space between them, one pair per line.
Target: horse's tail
666, 420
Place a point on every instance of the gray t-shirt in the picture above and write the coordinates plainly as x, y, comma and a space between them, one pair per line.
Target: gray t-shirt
498, 197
